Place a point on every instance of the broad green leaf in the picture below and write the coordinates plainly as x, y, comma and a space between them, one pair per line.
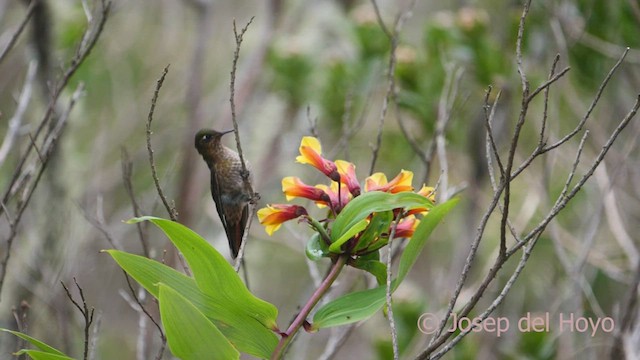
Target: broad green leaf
375, 267
213, 274
35, 342
189, 333
379, 224
316, 248
243, 330
379, 243
350, 308
421, 234
374, 255
376, 201
361, 305
42, 355
356, 228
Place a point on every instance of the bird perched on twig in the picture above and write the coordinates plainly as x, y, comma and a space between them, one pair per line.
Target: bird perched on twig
228, 187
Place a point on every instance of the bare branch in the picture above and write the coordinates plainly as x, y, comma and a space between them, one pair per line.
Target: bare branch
86, 314
98, 223
170, 209
523, 76
142, 308
48, 147
591, 107
236, 55
388, 291
491, 147
19, 30
245, 236
127, 172
16, 119
394, 39
83, 52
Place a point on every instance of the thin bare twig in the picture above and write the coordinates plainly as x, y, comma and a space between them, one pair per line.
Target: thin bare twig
94, 335
591, 107
84, 310
388, 290
394, 39
49, 146
236, 55
445, 107
19, 30
16, 119
127, 172
163, 338
628, 311
99, 224
491, 147
170, 209
239, 261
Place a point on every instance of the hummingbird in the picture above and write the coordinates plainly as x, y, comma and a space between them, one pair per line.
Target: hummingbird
228, 189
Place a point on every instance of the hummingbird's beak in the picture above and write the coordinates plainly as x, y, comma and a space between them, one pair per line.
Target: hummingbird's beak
226, 132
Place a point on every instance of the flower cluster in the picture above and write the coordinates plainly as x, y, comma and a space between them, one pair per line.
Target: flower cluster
343, 188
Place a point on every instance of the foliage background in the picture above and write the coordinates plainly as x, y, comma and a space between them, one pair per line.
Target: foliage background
305, 61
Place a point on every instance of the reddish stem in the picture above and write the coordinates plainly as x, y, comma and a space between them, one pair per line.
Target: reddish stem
287, 336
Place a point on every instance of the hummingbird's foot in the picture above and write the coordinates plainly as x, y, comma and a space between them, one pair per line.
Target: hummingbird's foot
245, 174
254, 198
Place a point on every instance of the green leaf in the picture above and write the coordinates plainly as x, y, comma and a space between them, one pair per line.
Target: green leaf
239, 325
356, 228
316, 248
35, 342
379, 224
213, 274
350, 308
189, 333
375, 267
421, 234
42, 355
361, 305
375, 201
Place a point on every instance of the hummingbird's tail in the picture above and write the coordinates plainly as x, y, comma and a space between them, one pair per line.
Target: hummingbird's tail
235, 231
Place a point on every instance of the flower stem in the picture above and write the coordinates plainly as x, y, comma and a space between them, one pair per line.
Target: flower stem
320, 229
288, 335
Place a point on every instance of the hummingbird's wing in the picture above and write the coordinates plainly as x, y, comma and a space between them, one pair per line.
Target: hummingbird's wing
233, 217
216, 195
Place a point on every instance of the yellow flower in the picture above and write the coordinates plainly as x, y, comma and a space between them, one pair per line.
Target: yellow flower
378, 182
336, 201
428, 192
311, 153
348, 177
274, 215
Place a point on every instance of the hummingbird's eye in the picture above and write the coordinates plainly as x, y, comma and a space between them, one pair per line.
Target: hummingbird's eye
205, 138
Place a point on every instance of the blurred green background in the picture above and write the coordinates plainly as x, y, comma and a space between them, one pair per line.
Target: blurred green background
320, 67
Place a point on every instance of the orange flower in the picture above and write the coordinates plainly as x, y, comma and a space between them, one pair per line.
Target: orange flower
311, 153
336, 203
406, 227
348, 177
294, 187
274, 215
378, 182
